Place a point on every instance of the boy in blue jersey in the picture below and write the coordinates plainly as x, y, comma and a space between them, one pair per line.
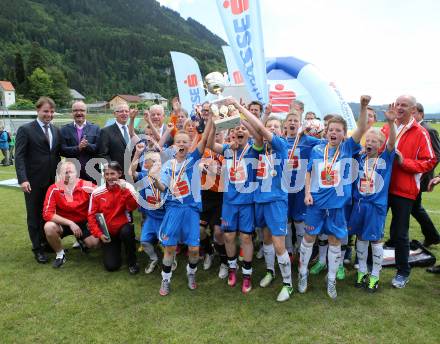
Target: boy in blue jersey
270, 198
300, 146
370, 201
180, 178
328, 189
151, 201
238, 203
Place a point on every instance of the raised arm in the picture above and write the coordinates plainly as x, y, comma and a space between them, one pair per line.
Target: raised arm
267, 112
133, 113
254, 122
390, 115
211, 144
202, 144
362, 123
155, 132
140, 147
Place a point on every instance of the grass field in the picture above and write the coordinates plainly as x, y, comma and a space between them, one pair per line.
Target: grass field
81, 303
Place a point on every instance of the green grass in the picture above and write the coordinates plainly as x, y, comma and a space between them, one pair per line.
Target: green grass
81, 303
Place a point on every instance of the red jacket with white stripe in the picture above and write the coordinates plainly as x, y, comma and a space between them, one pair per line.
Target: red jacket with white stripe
73, 207
115, 203
418, 158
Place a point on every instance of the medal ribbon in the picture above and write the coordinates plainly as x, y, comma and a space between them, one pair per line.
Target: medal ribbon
295, 144
156, 191
181, 171
328, 168
370, 177
269, 158
403, 131
235, 162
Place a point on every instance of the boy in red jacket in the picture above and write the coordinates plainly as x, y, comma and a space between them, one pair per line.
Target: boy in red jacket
115, 199
65, 211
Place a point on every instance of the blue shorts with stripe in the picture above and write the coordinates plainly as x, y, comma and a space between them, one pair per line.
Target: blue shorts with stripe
181, 224
297, 207
367, 221
326, 221
150, 229
238, 217
272, 215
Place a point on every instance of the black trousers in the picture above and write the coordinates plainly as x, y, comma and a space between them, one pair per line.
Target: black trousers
419, 213
34, 209
401, 208
112, 251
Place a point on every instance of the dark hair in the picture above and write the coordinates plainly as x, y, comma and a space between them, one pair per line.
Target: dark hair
256, 102
338, 119
328, 117
420, 108
115, 166
45, 100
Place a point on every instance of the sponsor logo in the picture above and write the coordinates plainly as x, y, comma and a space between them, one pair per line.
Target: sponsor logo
281, 98
194, 91
238, 78
237, 6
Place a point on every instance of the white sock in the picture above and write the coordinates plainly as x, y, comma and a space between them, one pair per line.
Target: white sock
246, 271
232, 264
149, 250
288, 240
305, 252
166, 275
60, 254
334, 257
300, 230
377, 258
284, 264
269, 257
323, 253
362, 255
190, 270
344, 242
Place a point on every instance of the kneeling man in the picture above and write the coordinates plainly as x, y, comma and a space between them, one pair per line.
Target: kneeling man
65, 210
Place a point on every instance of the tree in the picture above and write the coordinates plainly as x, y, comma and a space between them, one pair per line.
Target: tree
61, 93
20, 74
36, 58
40, 84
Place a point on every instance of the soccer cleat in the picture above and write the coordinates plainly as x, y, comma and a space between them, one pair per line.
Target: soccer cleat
223, 271
133, 269
192, 281
400, 281
76, 245
59, 262
207, 263
302, 283
150, 268
317, 268
340, 274
373, 284
331, 289
174, 265
267, 279
164, 288
361, 280
246, 287
260, 253
285, 293
232, 277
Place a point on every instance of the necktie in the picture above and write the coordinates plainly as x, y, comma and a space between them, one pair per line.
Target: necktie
124, 128
46, 132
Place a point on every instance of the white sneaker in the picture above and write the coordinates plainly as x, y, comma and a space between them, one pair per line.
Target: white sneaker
174, 265
302, 283
260, 253
207, 263
76, 245
150, 268
331, 289
267, 280
285, 293
223, 271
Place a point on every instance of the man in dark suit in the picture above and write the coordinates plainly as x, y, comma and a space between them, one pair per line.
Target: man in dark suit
37, 154
432, 236
80, 139
115, 138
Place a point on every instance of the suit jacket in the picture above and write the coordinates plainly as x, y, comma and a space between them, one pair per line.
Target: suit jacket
70, 143
435, 142
112, 145
35, 162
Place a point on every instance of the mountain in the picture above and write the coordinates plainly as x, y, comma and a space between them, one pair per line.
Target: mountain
380, 109
105, 47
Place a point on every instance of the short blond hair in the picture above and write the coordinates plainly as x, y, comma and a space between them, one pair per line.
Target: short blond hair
376, 131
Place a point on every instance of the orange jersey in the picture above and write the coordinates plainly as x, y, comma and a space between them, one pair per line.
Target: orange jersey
211, 166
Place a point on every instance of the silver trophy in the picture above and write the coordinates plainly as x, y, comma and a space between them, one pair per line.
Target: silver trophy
228, 117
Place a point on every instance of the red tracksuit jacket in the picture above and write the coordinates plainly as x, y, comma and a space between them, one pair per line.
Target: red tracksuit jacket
418, 158
114, 203
72, 207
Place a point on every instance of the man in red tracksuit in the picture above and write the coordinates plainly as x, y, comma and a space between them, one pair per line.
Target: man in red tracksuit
115, 199
414, 156
65, 211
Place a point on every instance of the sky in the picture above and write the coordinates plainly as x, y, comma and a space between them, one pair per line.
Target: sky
383, 48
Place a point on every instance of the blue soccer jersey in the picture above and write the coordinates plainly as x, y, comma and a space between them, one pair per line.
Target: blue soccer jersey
239, 174
270, 171
182, 180
373, 183
331, 181
152, 203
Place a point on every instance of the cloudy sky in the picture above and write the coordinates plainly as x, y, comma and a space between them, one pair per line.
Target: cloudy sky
379, 47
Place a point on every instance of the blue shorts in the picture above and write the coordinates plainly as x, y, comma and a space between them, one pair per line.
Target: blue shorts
238, 217
347, 211
326, 221
272, 215
367, 221
297, 207
180, 225
150, 229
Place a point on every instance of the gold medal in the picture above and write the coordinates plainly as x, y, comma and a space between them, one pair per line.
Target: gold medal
237, 175
273, 173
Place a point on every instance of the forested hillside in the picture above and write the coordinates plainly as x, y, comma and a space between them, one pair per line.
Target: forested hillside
102, 47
